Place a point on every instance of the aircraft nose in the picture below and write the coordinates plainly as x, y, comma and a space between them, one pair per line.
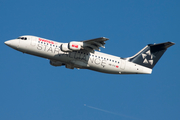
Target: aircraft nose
7, 42
12, 43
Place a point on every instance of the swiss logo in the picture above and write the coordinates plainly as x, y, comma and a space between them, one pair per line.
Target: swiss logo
73, 45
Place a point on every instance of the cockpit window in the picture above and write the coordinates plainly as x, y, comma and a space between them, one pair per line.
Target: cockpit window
22, 38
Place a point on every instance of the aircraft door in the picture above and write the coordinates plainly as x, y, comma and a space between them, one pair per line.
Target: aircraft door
33, 41
123, 64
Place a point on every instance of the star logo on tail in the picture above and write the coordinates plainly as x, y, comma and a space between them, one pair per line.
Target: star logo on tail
148, 58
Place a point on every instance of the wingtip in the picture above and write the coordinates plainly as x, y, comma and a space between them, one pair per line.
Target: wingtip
105, 38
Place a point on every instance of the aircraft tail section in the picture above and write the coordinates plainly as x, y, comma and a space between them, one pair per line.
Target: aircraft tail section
150, 54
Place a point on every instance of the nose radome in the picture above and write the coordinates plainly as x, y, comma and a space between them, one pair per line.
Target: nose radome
7, 42
14, 43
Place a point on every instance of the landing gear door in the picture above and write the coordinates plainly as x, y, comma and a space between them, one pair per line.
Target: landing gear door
33, 41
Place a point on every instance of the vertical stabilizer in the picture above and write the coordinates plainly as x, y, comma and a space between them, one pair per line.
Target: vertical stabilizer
150, 54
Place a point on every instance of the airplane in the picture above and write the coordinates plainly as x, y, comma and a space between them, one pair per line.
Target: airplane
85, 54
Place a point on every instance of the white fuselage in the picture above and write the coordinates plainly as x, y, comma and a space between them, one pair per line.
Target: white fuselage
81, 59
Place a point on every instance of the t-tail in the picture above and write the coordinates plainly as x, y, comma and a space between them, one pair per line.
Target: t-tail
150, 54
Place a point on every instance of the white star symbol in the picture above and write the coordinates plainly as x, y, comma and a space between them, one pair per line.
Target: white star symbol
150, 61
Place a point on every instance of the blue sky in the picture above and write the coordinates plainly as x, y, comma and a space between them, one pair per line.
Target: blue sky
30, 88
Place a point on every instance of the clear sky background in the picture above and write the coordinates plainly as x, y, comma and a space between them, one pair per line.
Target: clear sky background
32, 89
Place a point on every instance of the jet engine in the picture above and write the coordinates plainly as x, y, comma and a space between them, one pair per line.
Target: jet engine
66, 47
56, 63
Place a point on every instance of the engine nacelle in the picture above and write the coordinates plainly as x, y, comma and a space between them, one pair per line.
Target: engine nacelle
67, 47
56, 63
75, 45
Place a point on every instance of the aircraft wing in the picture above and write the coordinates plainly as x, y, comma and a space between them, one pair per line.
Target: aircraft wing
94, 44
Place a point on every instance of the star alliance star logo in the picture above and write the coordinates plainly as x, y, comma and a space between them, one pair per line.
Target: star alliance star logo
148, 58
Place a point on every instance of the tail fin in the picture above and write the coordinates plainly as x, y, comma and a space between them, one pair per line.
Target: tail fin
150, 54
